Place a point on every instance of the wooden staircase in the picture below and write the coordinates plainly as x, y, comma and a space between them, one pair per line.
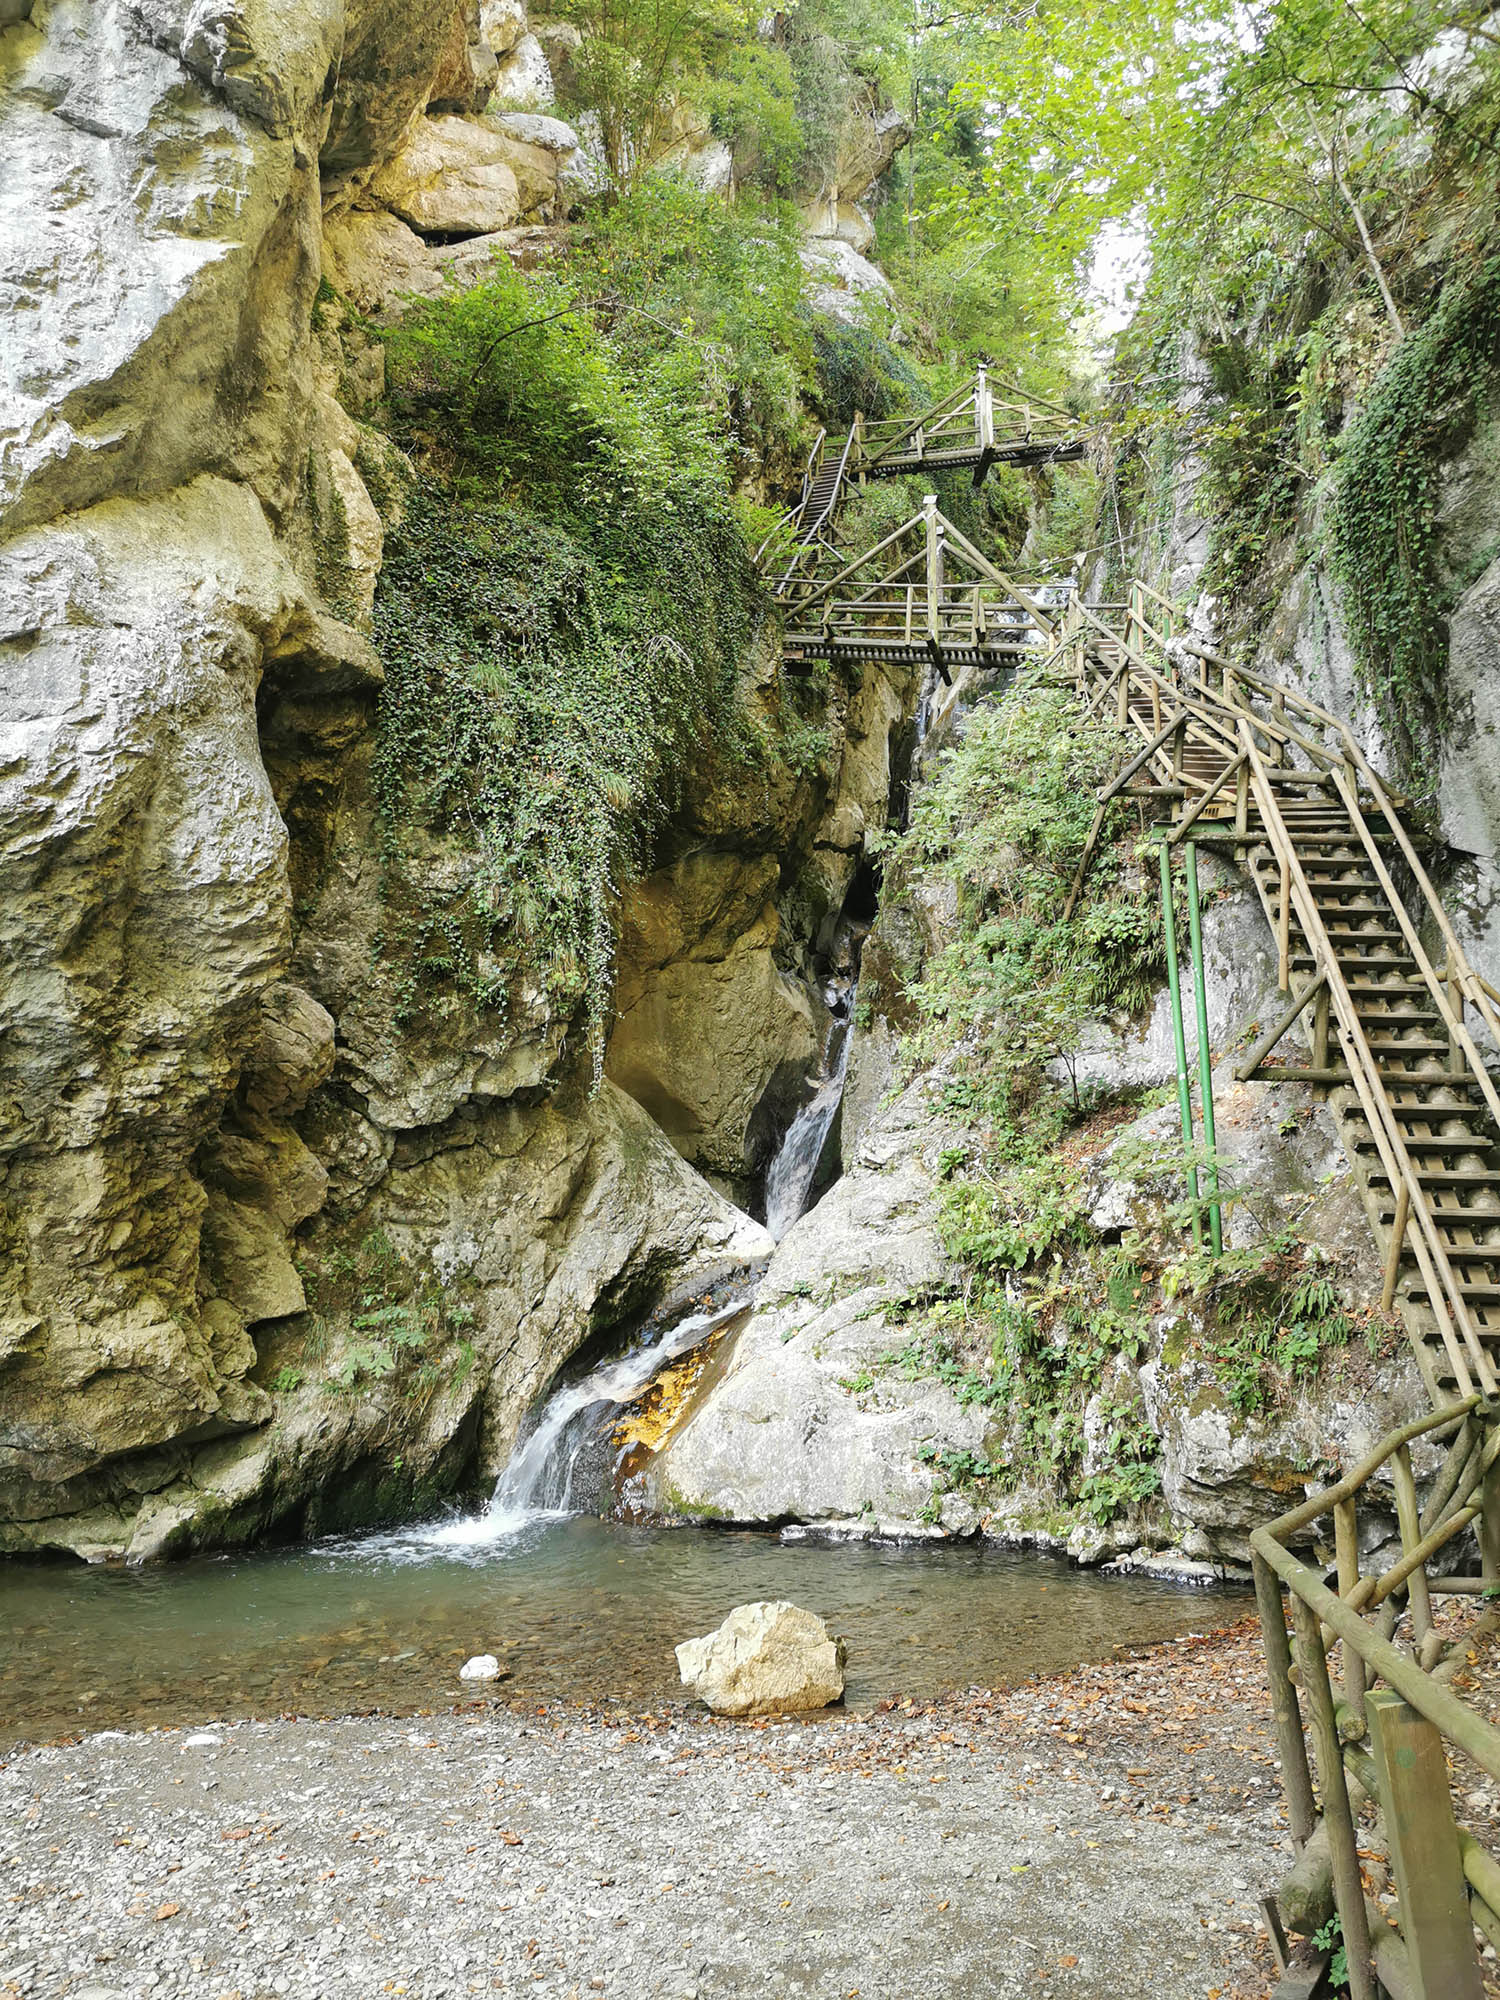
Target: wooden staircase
1280, 785
1239, 763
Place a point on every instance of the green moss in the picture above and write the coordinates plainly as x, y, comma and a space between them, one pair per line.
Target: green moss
693, 1510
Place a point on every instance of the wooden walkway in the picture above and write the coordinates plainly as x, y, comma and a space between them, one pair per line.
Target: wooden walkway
924, 593
1275, 782
1280, 785
973, 430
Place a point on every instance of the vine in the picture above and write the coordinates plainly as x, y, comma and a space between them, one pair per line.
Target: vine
1383, 533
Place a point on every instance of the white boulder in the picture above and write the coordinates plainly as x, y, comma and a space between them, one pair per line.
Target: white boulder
483, 1667
765, 1659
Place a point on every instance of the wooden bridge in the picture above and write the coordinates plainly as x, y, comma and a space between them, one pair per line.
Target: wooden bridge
924, 593
973, 430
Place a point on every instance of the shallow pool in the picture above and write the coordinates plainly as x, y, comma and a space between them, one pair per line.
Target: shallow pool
576, 1608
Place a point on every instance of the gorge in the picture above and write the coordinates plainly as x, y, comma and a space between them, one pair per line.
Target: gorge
602, 640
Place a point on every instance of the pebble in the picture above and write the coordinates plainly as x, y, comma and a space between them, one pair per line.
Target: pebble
486, 1852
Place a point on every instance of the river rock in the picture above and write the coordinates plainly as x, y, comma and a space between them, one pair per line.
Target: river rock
483, 1667
765, 1659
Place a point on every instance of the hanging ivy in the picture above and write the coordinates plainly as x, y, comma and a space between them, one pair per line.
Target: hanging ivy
1383, 533
539, 701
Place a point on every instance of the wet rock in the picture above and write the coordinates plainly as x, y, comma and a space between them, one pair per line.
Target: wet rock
483, 1667
802, 1424
765, 1659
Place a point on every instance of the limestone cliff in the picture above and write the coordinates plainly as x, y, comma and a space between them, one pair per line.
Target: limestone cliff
261, 1259
265, 1258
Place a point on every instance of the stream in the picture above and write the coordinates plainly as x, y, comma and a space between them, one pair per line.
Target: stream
577, 1606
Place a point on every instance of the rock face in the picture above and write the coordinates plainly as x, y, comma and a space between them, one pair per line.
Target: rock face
769, 1658
824, 1416
212, 1109
787, 1433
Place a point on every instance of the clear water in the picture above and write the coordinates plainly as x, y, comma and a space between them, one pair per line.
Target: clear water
577, 1609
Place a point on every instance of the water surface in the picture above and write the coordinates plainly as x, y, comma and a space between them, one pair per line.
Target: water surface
576, 1608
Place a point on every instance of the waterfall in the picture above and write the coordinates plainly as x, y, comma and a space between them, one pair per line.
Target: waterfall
789, 1178
540, 1478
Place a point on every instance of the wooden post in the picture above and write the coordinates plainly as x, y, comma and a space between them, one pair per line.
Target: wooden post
1242, 800
1408, 1519
1296, 1779
1284, 932
1348, 1889
1346, 1544
1456, 1063
1489, 1524
1393, 1248
1435, 1922
1320, 1029
934, 569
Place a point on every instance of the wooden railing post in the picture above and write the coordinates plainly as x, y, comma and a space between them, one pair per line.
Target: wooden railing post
1435, 1923
1346, 1548
1489, 1525
1348, 1887
934, 568
1394, 1247
1296, 1779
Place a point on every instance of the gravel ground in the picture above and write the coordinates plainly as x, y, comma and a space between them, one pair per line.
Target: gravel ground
1106, 1833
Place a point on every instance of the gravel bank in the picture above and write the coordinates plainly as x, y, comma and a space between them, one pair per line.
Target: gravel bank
1099, 1836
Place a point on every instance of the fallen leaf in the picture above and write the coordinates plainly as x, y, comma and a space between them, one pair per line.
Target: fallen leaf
166, 1910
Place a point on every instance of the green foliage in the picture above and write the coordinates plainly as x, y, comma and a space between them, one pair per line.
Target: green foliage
1383, 533
540, 697
707, 302
1329, 1937
1005, 821
388, 1319
860, 371
636, 59
1269, 1314
751, 103
562, 612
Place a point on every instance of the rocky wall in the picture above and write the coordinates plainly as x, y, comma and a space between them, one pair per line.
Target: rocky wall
271, 1254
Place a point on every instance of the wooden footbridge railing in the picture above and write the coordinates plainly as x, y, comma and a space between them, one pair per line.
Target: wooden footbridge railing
971, 430
924, 593
1383, 1717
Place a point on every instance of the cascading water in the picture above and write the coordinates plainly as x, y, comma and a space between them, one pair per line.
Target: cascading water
542, 1477
790, 1176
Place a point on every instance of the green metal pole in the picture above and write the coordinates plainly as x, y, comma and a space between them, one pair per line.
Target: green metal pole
1179, 1038
1205, 1054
